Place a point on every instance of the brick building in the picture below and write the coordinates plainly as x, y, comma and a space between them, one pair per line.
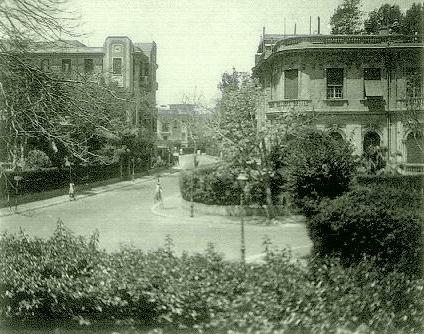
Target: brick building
362, 88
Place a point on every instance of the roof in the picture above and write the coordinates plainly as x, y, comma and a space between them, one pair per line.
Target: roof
65, 46
146, 48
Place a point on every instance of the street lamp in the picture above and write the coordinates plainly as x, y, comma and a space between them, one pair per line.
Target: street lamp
242, 179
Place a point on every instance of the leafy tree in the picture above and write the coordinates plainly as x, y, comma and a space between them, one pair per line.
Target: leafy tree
316, 166
386, 17
414, 20
347, 18
244, 138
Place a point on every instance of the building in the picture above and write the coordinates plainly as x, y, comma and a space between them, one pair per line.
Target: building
367, 89
131, 65
173, 124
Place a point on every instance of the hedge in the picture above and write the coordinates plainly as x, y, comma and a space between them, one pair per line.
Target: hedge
385, 223
218, 185
55, 178
395, 181
69, 278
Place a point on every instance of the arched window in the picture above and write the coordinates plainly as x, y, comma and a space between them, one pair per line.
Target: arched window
336, 136
414, 148
371, 139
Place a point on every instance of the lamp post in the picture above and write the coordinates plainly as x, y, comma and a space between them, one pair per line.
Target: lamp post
242, 179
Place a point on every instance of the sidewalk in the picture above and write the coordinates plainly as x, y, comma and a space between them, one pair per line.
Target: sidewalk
84, 194
173, 208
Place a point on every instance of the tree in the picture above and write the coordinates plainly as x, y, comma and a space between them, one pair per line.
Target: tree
74, 116
388, 17
347, 18
246, 140
414, 20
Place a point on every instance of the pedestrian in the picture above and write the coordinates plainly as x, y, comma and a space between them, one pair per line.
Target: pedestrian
158, 194
71, 192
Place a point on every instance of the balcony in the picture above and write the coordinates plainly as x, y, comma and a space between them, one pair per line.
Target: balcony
411, 169
278, 106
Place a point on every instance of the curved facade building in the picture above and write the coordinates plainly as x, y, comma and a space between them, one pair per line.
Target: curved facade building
367, 89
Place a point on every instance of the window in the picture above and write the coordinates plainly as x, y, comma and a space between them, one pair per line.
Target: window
165, 127
183, 135
372, 82
66, 65
175, 125
146, 69
88, 65
291, 84
334, 83
414, 83
117, 66
45, 65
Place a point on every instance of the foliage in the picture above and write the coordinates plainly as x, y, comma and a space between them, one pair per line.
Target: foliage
246, 138
379, 222
388, 17
316, 166
373, 160
413, 182
347, 18
218, 185
37, 159
67, 277
414, 20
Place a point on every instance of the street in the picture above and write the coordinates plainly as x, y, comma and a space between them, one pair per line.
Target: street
127, 215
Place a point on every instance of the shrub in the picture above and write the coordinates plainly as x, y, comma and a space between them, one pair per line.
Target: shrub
218, 185
382, 222
67, 277
37, 159
415, 182
317, 166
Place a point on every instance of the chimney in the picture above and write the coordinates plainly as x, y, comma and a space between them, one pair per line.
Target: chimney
319, 25
295, 29
310, 25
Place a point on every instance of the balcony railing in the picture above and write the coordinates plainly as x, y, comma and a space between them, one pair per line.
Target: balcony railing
350, 39
411, 169
285, 105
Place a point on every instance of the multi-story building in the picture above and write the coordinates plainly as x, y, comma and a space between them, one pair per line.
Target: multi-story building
365, 89
131, 65
173, 123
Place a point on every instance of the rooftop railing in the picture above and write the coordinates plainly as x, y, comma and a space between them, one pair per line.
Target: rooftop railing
350, 39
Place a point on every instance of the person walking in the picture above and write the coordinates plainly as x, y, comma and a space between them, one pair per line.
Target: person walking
71, 192
158, 193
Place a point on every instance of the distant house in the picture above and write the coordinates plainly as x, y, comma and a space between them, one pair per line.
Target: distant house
363, 88
173, 124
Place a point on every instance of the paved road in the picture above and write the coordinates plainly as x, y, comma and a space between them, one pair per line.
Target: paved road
125, 216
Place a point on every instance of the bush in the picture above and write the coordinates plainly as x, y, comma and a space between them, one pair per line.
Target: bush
381, 222
37, 159
218, 185
69, 278
317, 166
415, 182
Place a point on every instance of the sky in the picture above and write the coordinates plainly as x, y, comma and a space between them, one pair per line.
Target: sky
198, 40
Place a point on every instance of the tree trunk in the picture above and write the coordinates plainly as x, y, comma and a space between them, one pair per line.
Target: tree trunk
270, 210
